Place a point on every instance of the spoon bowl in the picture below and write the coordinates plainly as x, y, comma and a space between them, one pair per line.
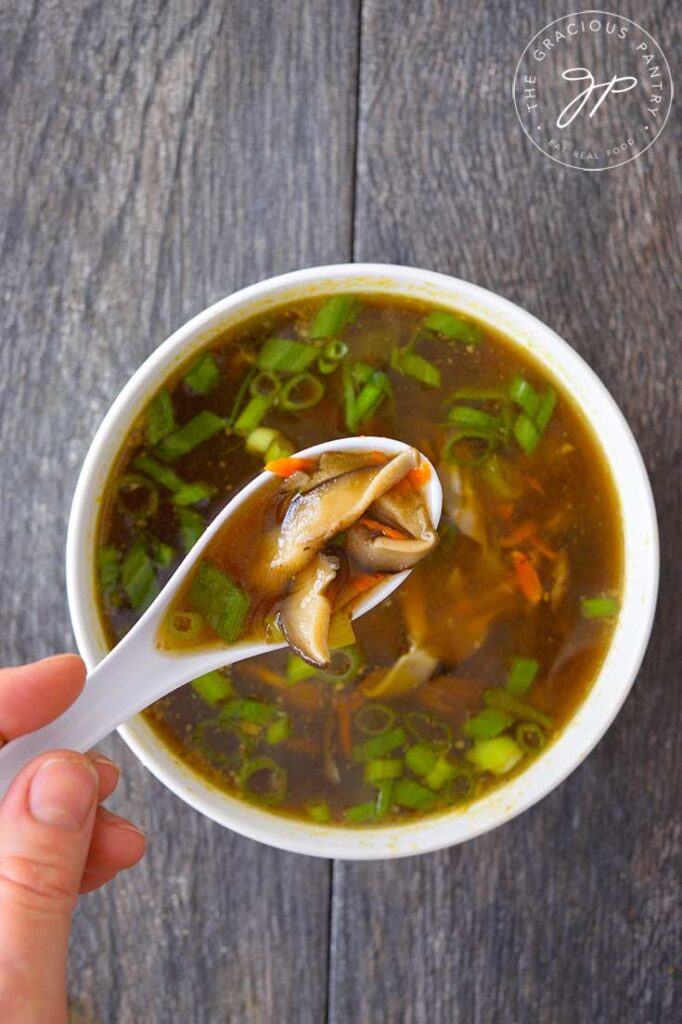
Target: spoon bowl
138, 672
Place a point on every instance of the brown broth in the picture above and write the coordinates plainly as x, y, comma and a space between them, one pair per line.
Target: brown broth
477, 620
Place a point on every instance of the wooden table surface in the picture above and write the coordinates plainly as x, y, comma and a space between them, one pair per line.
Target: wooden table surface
158, 154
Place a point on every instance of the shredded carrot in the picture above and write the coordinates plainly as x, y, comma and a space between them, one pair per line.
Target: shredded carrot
355, 699
377, 457
505, 511
418, 477
535, 484
544, 549
388, 531
266, 674
343, 711
526, 577
359, 584
521, 533
402, 488
285, 467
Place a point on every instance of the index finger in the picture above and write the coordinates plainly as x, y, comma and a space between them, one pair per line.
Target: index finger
33, 695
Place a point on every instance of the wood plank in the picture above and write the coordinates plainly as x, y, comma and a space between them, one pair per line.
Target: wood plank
155, 157
570, 913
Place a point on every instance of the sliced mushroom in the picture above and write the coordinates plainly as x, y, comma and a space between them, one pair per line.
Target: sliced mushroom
305, 613
378, 548
463, 504
410, 670
560, 578
332, 506
374, 552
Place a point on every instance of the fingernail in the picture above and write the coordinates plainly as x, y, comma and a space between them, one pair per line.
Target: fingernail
62, 792
104, 762
118, 821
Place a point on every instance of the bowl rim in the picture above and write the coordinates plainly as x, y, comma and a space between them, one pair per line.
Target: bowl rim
593, 716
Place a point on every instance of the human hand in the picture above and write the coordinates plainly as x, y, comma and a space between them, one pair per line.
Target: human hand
56, 841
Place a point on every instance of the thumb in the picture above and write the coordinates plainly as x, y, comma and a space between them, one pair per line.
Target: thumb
46, 822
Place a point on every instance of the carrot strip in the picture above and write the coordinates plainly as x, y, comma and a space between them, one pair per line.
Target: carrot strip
535, 484
355, 699
521, 533
359, 584
526, 577
388, 531
418, 477
302, 745
544, 549
505, 511
377, 457
266, 675
285, 467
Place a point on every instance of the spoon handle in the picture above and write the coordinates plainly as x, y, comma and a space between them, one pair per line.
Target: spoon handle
128, 679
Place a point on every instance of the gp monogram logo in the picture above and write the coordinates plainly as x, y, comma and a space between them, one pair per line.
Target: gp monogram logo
593, 90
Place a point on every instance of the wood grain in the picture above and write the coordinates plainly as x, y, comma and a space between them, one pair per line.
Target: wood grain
571, 912
156, 156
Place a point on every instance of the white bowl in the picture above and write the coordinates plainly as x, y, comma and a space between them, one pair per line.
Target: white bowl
638, 601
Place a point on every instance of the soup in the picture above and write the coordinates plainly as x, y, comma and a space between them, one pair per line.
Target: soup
473, 665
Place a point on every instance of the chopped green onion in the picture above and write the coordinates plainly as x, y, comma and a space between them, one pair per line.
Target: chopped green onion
429, 729
279, 449
501, 478
298, 669
160, 417
344, 666
204, 375
161, 474
211, 729
545, 409
278, 731
245, 709
525, 396
260, 439
453, 327
498, 755
213, 687
191, 527
360, 813
381, 768
136, 496
467, 416
138, 578
377, 388
265, 383
253, 412
473, 393
284, 355
223, 604
374, 719
521, 674
326, 366
319, 812
109, 568
276, 779
384, 799
487, 723
421, 758
334, 315
197, 430
408, 793
163, 554
335, 350
460, 787
486, 443
379, 745
241, 393
526, 433
530, 737
301, 392
186, 625
598, 607
190, 494
503, 701
412, 365
443, 771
